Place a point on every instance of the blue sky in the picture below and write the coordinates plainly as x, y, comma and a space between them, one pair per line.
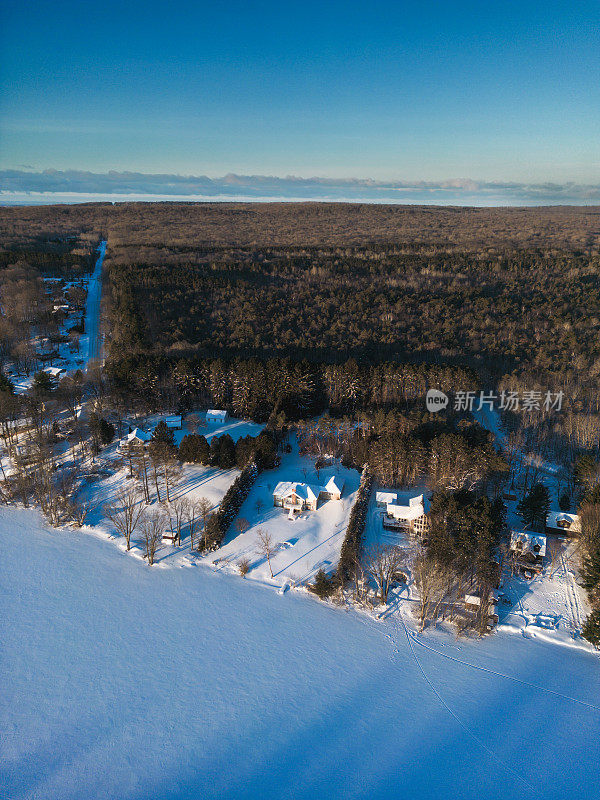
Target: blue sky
390, 91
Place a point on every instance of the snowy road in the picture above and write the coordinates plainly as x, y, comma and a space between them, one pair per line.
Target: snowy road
92, 309
198, 684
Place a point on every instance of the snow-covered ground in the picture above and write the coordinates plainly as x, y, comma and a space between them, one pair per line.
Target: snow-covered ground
303, 545
552, 606
125, 681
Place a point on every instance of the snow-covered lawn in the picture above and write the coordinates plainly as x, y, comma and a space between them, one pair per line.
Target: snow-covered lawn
552, 606
124, 681
303, 545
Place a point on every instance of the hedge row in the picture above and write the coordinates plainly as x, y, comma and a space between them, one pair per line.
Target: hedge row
229, 507
352, 544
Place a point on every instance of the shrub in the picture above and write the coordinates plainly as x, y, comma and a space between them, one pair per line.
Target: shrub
244, 566
591, 629
324, 585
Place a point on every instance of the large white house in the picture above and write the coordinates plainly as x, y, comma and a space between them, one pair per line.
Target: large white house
136, 438
410, 516
216, 416
295, 496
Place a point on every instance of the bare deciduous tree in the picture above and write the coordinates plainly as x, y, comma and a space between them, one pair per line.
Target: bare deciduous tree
432, 582
178, 511
244, 566
125, 512
192, 520
265, 546
242, 524
79, 509
152, 526
203, 506
383, 564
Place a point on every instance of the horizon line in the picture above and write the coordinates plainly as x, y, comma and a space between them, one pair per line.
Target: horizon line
26, 186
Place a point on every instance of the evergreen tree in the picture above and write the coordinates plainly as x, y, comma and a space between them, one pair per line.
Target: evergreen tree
323, 585
564, 502
5, 384
533, 508
226, 455
591, 572
164, 434
194, 449
585, 472
102, 431
43, 384
591, 629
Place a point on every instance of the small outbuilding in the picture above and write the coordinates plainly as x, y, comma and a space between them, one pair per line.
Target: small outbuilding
216, 416
173, 422
562, 522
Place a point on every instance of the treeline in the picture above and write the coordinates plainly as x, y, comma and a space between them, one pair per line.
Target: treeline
447, 449
587, 475
255, 389
500, 313
224, 453
50, 263
352, 546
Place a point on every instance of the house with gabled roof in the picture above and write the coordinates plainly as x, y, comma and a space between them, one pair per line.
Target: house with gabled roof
528, 550
404, 514
216, 416
296, 496
135, 438
563, 522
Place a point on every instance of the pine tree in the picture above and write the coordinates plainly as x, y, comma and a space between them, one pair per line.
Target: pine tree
591, 628
533, 509
164, 435
323, 585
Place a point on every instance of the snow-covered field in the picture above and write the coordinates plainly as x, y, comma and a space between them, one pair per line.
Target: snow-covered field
124, 681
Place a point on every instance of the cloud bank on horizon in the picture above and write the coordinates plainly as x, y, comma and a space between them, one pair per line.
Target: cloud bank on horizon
24, 186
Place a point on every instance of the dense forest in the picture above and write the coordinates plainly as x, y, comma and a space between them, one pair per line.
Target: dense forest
512, 294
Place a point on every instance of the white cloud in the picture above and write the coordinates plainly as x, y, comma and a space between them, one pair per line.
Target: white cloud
19, 184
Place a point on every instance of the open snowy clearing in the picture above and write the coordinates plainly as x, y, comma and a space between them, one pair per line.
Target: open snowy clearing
302, 545
124, 681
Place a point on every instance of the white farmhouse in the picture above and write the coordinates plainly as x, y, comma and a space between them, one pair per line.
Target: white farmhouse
295, 496
136, 438
215, 416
